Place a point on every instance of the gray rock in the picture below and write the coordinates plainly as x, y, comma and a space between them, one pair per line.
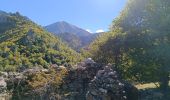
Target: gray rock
3, 85
107, 86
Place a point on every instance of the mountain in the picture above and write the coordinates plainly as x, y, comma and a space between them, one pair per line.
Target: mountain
71, 40
2, 12
25, 44
73, 36
64, 27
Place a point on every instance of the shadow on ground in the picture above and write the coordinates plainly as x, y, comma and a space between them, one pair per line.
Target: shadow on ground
153, 94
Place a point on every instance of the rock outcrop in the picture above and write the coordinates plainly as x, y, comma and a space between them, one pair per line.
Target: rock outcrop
77, 80
106, 86
92, 81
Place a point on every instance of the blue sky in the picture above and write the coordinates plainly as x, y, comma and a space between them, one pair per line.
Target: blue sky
88, 14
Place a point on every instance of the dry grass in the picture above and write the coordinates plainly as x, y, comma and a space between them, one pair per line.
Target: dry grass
146, 86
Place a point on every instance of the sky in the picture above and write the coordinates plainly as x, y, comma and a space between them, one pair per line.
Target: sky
91, 15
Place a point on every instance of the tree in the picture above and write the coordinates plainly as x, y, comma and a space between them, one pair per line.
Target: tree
148, 20
140, 49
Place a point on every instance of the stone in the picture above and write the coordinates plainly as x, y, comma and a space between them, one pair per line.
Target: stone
78, 79
3, 85
4, 74
89, 80
106, 85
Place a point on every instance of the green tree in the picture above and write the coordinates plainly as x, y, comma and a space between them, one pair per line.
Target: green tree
138, 42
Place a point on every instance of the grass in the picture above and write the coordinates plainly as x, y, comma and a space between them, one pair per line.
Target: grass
147, 86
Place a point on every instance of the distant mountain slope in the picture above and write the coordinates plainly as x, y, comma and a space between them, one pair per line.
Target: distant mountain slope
25, 44
75, 37
71, 40
2, 12
64, 27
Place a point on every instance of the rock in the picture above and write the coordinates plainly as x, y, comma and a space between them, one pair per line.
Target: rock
107, 86
92, 81
4, 74
3, 85
78, 79
89, 61
86, 81
5, 96
103, 90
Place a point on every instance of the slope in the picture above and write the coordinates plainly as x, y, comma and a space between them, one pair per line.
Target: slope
73, 36
24, 44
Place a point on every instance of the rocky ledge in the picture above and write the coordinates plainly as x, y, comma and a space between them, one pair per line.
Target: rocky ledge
85, 81
92, 81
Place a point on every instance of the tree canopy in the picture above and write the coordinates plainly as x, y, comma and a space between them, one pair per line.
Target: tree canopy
138, 43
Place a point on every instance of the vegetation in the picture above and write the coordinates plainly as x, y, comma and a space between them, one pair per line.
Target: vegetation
43, 84
71, 40
38, 85
138, 43
24, 44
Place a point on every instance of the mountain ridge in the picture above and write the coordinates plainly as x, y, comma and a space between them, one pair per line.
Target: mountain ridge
65, 27
72, 35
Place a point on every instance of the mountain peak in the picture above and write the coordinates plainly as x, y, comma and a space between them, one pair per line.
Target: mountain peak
65, 27
62, 22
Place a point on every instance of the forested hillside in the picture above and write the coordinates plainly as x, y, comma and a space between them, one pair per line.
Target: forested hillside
24, 44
